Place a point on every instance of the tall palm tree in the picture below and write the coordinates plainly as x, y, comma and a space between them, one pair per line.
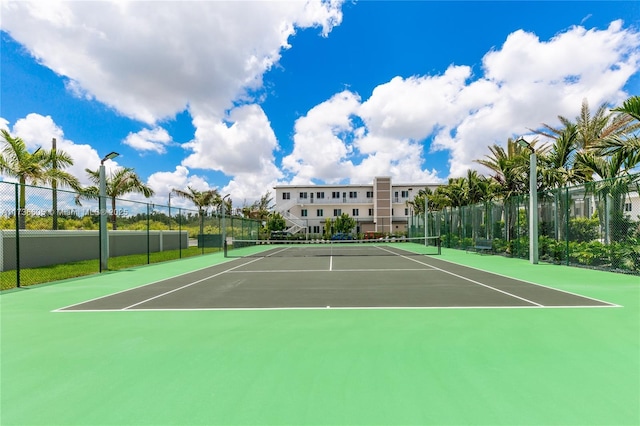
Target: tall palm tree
57, 160
600, 130
202, 199
510, 168
118, 183
16, 161
631, 107
629, 143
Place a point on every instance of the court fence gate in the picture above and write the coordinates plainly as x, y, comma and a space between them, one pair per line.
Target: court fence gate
51, 234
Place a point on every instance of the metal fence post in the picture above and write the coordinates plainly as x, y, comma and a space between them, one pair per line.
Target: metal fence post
17, 204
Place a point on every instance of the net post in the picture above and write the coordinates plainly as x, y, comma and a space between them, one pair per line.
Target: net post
224, 247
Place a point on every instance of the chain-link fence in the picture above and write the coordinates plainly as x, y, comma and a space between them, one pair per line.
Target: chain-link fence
51, 234
595, 225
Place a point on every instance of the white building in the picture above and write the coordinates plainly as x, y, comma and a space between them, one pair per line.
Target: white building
380, 206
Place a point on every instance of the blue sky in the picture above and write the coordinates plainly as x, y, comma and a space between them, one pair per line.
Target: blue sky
240, 96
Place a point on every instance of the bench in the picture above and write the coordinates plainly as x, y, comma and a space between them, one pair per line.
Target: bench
483, 244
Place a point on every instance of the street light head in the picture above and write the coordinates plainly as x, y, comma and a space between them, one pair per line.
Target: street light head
109, 156
523, 143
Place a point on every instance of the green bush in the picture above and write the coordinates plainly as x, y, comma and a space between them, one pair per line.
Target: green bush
583, 229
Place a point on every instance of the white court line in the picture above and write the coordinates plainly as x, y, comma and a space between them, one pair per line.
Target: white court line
302, 271
141, 286
187, 285
532, 283
345, 308
476, 282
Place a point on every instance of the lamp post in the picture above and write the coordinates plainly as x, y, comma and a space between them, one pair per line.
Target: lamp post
224, 225
170, 209
533, 202
102, 206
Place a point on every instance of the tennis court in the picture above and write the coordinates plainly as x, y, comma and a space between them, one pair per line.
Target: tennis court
364, 275
279, 335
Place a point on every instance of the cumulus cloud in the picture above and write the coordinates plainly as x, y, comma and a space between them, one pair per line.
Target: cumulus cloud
164, 183
37, 131
524, 83
154, 140
150, 60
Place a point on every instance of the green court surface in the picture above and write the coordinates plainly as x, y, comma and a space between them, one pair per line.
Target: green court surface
441, 365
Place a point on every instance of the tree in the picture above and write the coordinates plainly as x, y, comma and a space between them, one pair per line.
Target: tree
276, 222
629, 143
345, 223
510, 169
55, 161
16, 161
202, 200
118, 183
260, 209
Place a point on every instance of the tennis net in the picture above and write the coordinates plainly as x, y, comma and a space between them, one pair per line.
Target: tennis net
310, 248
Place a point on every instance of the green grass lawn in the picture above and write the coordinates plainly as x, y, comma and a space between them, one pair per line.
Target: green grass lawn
44, 274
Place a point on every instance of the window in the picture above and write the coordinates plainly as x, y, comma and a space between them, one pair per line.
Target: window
628, 207
353, 194
316, 230
335, 194
319, 194
370, 212
405, 194
319, 213
303, 195
337, 212
286, 195
303, 213
369, 194
355, 212
406, 213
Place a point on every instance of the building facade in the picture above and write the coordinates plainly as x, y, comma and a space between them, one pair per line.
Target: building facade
379, 207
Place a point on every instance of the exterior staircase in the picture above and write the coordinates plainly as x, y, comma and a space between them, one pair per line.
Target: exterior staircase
295, 223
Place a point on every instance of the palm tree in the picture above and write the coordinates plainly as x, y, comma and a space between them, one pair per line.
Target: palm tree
510, 169
118, 183
55, 161
202, 199
614, 186
629, 143
631, 107
16, 161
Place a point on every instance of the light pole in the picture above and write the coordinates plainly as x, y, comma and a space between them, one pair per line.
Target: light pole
170, 209
102, 206
224, 225
533, 202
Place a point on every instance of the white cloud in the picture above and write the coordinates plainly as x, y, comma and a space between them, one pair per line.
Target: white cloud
38, 131
525, 83
149, 60
244, 142
154, 140
165, 182
320, 149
